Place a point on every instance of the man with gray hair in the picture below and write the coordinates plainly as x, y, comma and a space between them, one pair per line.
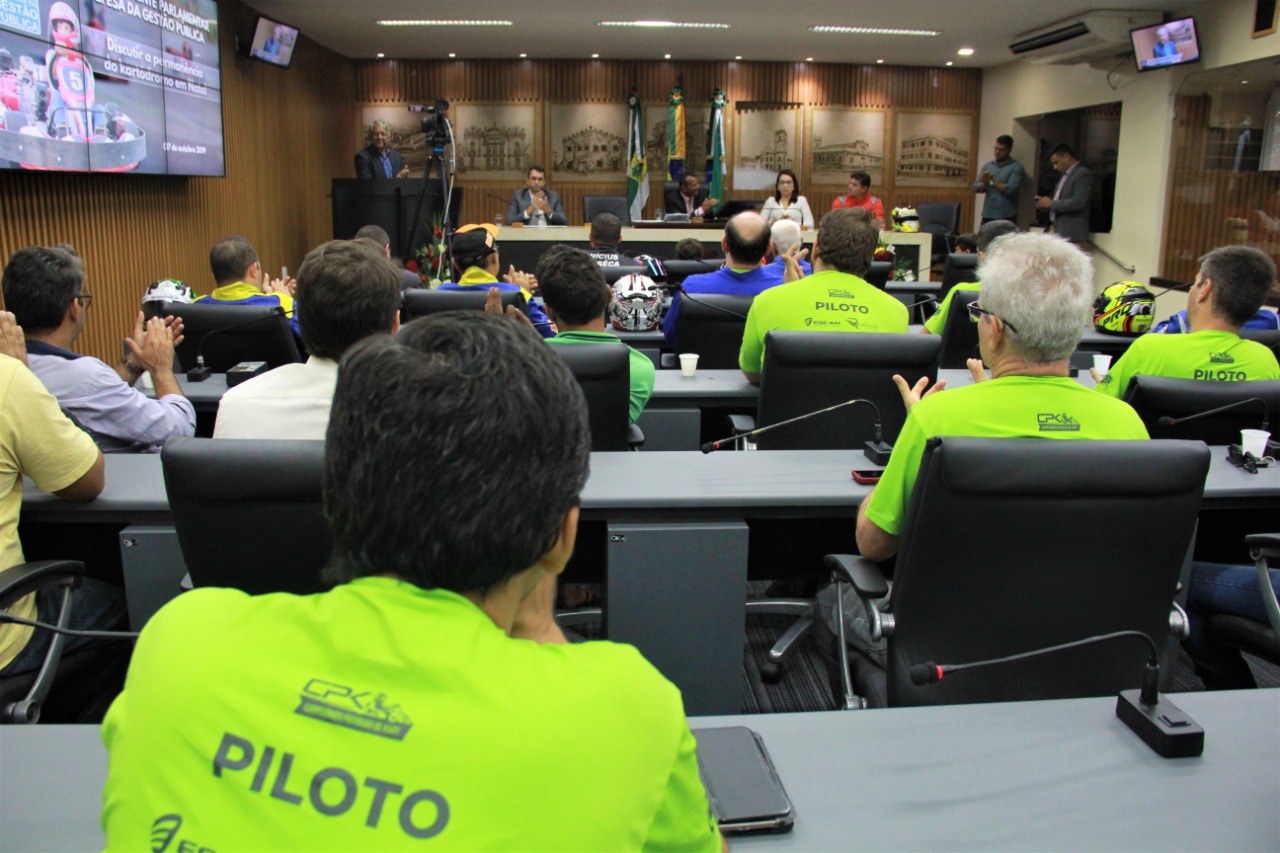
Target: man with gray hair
785, 234
1036, 295
378, 161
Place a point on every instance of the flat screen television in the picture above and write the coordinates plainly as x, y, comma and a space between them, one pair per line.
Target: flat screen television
1162, 45
273, 42
111, 86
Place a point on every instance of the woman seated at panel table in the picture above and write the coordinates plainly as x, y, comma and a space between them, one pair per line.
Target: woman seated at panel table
795, 207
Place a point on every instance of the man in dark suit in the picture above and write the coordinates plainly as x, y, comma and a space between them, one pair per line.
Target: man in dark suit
535, 204
377, 161
1069, 205
689, 198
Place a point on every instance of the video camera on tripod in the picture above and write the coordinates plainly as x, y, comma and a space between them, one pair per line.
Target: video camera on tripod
435, 124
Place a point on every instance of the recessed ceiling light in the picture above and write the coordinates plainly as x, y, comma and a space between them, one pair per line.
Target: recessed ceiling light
666, 56
950, 63
737, 57
879, 62
382, 56
524, 56
595, 56
453, 56
873, 31
1242, 82
683, 25
808, 59
965, 51
442, 23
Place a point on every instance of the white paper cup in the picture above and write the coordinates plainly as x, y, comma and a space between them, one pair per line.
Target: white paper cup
689, 363
1254, 441
1102, 363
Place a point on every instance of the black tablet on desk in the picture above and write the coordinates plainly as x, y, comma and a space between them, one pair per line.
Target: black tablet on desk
742, 785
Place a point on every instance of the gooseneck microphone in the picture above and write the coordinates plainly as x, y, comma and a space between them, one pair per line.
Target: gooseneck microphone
725, 442
687, 295
200, 372
1166, 421
1160, 724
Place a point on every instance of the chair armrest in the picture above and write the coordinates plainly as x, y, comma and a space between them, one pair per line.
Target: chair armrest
635, 437
1262, 546
863, 575
738, 424
668, 361
24, 578
1266, 544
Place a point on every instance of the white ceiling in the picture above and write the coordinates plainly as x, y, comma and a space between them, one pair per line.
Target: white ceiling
765, 30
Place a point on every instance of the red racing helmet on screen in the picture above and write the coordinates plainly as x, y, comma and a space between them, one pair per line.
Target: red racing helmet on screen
61, 12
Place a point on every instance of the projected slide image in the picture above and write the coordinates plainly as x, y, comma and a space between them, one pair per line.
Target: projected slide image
194, 137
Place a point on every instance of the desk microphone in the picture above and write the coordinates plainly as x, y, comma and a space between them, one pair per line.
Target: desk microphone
687, 295
877, 446
201, 372
1166, 421
1160, 724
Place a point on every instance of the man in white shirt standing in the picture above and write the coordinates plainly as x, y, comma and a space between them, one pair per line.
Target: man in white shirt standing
347, 291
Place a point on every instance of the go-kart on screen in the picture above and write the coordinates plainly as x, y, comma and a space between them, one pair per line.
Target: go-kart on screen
110, 86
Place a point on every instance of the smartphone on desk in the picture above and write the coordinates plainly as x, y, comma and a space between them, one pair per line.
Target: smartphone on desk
867, 477
743, 788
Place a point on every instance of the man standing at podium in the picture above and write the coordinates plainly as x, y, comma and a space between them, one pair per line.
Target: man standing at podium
378, 161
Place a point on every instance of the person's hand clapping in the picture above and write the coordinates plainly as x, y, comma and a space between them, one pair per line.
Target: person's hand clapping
977, 369
13, 342
791, 259
152, 349
912, 394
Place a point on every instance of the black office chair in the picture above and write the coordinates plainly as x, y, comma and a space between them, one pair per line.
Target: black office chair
421, 302
711, 324
604, 372
75, 687
229, 334
878, 274
678, 270
1269, 338
958, 269
1040, 569
959, 333
594, 205
612, 274
249, 513
941, 220
1257, 638
1158, 398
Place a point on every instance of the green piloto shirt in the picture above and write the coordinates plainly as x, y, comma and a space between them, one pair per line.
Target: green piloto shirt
938, 321
1209, 354
642, 369
1054, 407
827, 301
382, 716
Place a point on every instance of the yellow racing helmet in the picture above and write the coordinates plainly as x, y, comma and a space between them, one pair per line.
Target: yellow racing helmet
1124, 307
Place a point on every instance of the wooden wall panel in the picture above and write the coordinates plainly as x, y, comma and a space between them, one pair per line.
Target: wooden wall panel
285, 138
762, 83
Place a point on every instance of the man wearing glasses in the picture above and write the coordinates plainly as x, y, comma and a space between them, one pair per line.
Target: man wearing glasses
45, 290
1036, 294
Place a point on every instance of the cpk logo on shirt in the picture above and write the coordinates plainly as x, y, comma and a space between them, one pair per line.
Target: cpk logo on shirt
1057, 422
362, 710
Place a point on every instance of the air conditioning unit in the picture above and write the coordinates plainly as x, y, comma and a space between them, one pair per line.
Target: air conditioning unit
1084, 38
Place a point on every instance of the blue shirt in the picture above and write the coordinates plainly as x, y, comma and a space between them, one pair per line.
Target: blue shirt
724, 280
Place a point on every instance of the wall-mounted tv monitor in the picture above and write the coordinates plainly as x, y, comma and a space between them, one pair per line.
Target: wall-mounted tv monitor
1161, 45
273, 42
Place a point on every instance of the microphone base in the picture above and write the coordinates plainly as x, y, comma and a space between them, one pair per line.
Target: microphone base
878, 452
1162, 726
198, 374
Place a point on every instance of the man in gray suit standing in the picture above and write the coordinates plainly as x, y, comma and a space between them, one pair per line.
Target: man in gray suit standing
1069, 205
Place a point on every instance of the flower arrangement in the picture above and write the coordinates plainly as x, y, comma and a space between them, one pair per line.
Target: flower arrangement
432, 256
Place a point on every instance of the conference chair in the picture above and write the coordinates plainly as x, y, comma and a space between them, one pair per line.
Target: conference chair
612, 274
939, 219
712, 325
959, 333
604, 372
958, 269
594, 205
421, 302
878, 274
226, 335
1010, 545
1269, 338
679, 270
75, 687
249, 513
1257, 638
1159, 398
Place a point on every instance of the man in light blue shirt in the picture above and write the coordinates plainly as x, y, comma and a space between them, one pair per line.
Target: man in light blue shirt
1001, 181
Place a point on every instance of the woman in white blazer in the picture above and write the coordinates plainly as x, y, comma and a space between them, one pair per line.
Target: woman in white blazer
794, 207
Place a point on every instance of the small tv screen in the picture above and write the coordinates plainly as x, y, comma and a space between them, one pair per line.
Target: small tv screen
110, 86
273, 42
1162, 45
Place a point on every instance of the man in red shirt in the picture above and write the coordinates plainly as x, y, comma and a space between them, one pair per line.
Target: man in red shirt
858, 196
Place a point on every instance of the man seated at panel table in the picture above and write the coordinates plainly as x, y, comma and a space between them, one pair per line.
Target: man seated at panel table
605, 237
689, 198
429, 696
834, 299
241, 280
577, 297
1037, 290
347, 291
746, 271
987, 233
1228, 291
474, 254
45, 289
535, 205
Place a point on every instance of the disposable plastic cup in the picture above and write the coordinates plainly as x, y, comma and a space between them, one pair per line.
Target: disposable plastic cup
1254, 441
1102, 363
689, 363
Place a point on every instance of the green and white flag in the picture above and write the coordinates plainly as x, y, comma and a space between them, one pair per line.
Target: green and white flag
715, 149
638, 168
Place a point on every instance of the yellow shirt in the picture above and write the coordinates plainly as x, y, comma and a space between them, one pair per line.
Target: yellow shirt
36, 439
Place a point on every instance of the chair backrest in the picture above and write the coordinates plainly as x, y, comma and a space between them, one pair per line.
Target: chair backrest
1159, 397
420, 302
234, 333
712, 324
248, 513
612, 274
604, 372
878, 274
959, 333
1269, 338
944, 215
593, 205
959, 268
807, 371
1072, 539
